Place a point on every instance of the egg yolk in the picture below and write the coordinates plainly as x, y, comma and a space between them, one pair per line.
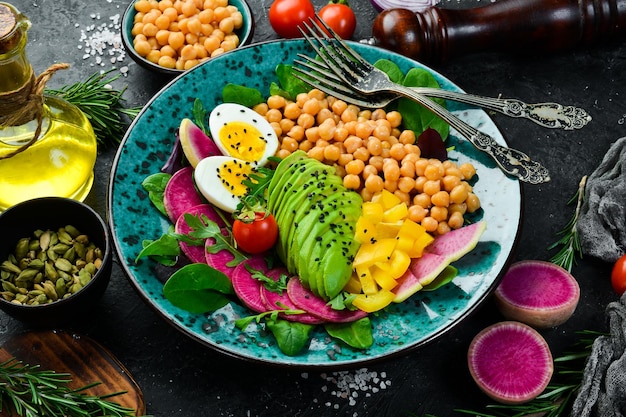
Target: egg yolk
242, 140
232, 174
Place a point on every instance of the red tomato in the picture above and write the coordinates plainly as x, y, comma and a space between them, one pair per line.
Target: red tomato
618, 276
257, 236
287, 15
340, 17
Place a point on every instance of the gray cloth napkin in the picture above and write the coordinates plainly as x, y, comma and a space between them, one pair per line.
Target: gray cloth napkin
603, 389
602, 220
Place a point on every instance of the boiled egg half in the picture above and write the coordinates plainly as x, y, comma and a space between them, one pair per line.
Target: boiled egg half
242, 133
246, 140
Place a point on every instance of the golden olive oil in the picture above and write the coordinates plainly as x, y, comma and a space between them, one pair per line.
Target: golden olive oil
60, 163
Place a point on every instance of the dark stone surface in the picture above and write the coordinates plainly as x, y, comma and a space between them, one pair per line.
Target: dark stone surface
180, 377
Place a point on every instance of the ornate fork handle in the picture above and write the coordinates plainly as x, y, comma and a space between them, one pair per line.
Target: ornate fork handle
550, 115
511, 161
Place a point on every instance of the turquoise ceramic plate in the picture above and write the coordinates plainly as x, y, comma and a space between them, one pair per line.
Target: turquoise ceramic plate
412, 324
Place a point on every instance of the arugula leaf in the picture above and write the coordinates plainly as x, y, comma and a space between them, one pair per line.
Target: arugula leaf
246, 96
198, 288
155, 186
290, 336
277, 286
357, 334
204, 228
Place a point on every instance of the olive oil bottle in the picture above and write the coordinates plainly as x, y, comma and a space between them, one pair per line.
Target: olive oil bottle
60, 161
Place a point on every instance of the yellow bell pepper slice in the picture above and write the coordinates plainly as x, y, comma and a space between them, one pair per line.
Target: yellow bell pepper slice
374, 302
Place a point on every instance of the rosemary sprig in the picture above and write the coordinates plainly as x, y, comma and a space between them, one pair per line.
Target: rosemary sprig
32, 392
102, 104
559, 396
570, 242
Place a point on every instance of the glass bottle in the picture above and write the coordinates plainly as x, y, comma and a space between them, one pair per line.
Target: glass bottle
61, 161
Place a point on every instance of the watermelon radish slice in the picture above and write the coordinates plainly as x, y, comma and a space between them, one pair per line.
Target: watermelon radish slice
444, 250
180, 194
276, 301
538, 293
221, 259
247, 288
510, 362
304, 299
195, 143
195, 253
456, 243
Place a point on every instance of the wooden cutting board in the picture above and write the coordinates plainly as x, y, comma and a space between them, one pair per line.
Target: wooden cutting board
83, 358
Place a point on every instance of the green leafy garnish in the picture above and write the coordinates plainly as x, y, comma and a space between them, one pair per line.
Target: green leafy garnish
198, 288
357, 334
246, 96
276, 286
155, 186
291, 337
200, 116
570, 241
204, 228
415, 116
163, 250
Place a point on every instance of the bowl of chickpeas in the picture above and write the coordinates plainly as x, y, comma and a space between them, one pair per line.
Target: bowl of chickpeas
173, 36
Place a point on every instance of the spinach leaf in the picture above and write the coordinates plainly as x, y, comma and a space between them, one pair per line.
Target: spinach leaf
391, 69
357, 334
442, 279
155, 186
291, 336
165, 249
198, 288
239, 94
415, 116
290, 84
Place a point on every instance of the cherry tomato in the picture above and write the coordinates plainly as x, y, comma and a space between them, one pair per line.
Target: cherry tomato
256, 236
287, 15
339, 16
618, 276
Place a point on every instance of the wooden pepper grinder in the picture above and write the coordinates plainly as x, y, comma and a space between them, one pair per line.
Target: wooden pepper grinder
513, 26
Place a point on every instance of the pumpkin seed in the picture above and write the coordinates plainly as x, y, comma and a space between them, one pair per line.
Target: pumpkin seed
49, 266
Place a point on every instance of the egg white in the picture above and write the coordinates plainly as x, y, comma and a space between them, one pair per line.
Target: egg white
230, 112
212, 187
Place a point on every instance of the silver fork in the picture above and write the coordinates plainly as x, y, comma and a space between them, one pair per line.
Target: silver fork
550, 115
357, 73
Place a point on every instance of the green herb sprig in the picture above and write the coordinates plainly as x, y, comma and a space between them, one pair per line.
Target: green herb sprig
32, 392
570, 242
102, 104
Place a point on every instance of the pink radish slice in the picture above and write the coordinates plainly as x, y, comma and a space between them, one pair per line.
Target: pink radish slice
275, 301
511, 362
314, 305
247, 288
538, 293
180, 194
195, 253
220, 259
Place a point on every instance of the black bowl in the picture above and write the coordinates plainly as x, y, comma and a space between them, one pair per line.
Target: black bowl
245, 34
44, 213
